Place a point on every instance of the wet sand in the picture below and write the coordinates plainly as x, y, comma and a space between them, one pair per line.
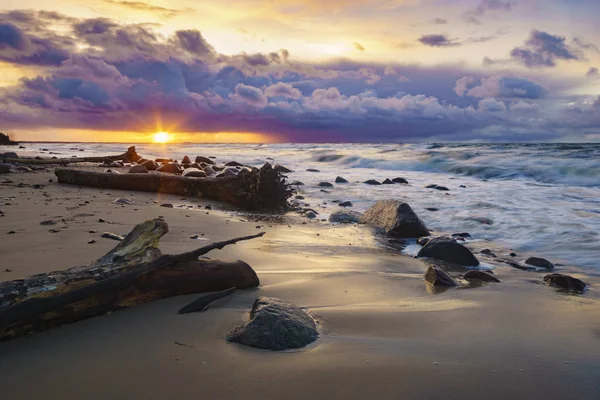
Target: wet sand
383, 335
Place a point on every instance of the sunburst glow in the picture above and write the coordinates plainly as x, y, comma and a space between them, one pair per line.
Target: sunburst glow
161, 137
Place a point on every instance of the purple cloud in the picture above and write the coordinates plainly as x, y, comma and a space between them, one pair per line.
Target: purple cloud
436, 40
593, 73
543, 50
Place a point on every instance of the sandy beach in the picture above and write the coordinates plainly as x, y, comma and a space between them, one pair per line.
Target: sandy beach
382, 333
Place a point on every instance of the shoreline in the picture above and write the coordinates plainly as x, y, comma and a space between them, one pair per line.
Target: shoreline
382, 332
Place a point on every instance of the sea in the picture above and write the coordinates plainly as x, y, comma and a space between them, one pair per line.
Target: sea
542, 199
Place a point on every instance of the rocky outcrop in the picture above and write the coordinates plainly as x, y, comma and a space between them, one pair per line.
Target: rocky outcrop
396, 217
566, 282
438, 277
447, 249
275, 325
539, 262
345, 217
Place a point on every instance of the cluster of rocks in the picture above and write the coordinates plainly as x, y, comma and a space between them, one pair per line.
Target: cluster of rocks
15, 166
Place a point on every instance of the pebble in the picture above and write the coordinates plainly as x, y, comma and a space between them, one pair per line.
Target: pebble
54, 230
91, 241
167, 205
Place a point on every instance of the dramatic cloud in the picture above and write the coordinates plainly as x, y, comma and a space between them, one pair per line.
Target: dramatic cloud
192, 41
436, 40
499, 86
281, 89
543, 50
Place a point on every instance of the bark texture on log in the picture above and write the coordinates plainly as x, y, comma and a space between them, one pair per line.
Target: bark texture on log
263, 188
129, 156
134, 272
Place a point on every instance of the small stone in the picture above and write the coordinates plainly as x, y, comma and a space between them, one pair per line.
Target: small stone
513, 254
433, 209
422, 241
310, 215
372, 182
439, 277
233, 164
123, 201
566, 282
299, 197
325, 184
462, 235
49, 222
399, 180
91, 231
208, 207
475, 275
463, 186
167, 205
101, 220
54, 230
447, 249
345, 204
186, 160
296, 183
387, 182
312, 170
11, 232
345, 217
539, 262
339, 179
91, 241
138, 169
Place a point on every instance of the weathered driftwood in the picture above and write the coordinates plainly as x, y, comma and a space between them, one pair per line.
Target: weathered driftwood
263, 188
129, 156
134, 272
202, 302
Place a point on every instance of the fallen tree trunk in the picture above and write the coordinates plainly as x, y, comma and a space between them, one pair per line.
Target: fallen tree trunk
263, 188
134, 272
129, 156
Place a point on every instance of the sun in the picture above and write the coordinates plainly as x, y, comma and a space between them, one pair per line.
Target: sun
161, 137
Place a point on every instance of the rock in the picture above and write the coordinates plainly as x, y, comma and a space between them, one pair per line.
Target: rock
475, 275
281, 169
167, 205
513, 254
433, 209
299, 197
54, 230
217, 168
463, 186
447, 249
10, 154
565, 282
194, 173
11, 232
345, 217
49, 222
163, 160
443, 188
202, 159
345, 204
422, 241
170, 168
296, 183
430, 186
399, 180
396, 217
186, 160
124, 201
312, 170
227, 172
209, 171
438, 277
325, 184
387, 182
275, 325
115, 164
4, 168
310, 215
138, 169
339, 179
539, 262
233, 164
488, 252
91, 241
462, 235
142, 160
482, 220
372, 182
113, 236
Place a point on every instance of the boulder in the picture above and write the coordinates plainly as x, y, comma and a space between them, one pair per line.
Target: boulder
345, 217
138, 169
339, 179
475, 275
275, 325
150, 165
233, 164
310, 215
209, 171
171, 168
345, 204
438, 277
396, 217
281, 169
194, 173
202, 159
447, 249
10, 154
539, 262
186, 160
325, 184
422, 241
565, 282
229, 171
387, 182
372, 182
399, 180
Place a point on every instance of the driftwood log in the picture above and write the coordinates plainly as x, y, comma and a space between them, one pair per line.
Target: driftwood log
134, 272
263, 188
129, 156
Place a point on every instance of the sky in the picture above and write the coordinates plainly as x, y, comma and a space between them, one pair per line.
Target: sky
301, 70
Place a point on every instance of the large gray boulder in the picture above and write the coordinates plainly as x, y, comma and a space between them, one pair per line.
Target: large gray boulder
345, 217
396, 217
275, 325
447, 249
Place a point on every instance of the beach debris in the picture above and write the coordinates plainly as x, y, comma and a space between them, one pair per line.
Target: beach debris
339, 179
202, 302
396, 218
275, 325
539, 262
124, 201
437, 276
345, 217
325, 184
113, 236
475, 275
345, 204
566, 282
387, 181
132, 273
372, 182
400, 180
138, 169
448, 249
